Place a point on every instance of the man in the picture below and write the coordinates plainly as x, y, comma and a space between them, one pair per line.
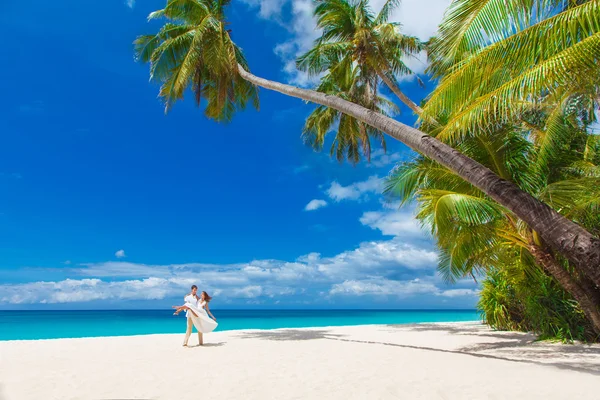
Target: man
192, 298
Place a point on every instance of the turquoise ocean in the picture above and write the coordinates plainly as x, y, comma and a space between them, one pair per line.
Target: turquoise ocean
19, 325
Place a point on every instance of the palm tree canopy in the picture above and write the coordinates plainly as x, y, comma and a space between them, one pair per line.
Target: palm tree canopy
494, 60
350, 29
193, 50
475, 233
352, 137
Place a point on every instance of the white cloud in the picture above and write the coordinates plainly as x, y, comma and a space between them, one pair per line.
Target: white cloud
379, 158
418, 18
84, 290
401, 289
383, 287
459, 292
401, 267
256, 279
268, 9
355, 191
417, 64
309, 258
120, 253
130, 3
247, 292
315, 205
379, 258
400, 223
302, 27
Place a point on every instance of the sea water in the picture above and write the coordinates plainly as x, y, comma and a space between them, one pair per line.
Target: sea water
19, 325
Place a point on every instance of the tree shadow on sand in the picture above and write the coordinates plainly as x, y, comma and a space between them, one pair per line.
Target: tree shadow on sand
508, 339
290, 335
512, 346
519, 347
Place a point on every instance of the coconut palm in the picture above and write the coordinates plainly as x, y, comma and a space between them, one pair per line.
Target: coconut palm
475, 234
194, 50
494, 57
352, 137
352, 31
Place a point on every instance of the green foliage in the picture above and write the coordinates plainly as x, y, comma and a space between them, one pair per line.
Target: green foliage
512, 300
518, 86
193, 51
494, 60
478, 237
352, 137
352, 31
355, 48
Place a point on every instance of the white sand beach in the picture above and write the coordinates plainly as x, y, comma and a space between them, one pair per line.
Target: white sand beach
423, 361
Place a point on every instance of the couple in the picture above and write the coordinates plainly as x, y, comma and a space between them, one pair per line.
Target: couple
197, 313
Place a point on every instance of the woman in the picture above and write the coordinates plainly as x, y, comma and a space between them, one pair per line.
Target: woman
197, 314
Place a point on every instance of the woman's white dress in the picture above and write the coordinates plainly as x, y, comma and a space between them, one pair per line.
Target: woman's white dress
201, 320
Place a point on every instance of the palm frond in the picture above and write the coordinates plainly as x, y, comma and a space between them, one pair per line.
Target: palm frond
388, 7
507, 101
496, 83
470, 25
194, 51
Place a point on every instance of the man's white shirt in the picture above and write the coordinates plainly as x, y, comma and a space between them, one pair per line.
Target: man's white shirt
192, 300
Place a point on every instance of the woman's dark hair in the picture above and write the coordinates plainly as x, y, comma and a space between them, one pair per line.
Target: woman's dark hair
207, 298
194, 287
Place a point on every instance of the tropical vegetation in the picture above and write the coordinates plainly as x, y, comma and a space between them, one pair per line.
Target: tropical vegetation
519, 99
526, 286
517, 83
353, 33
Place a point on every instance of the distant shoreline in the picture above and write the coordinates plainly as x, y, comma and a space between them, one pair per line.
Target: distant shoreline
242, 330
35, 325
248, 309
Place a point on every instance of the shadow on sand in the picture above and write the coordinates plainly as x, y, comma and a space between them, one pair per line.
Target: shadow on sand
290, 335
218, 344
508, 346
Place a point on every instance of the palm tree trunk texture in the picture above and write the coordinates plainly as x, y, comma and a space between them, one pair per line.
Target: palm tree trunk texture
592, 290
587, 301
564, 236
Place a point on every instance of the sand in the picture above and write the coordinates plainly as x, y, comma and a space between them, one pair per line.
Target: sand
424, 361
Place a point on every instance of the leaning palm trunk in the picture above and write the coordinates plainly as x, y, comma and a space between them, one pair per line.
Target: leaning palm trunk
563, 235
587, 301
403, 98
592, 291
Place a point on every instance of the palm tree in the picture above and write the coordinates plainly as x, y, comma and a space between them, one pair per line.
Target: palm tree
352, 31
352, 136
194, 50
475, 234
493, 59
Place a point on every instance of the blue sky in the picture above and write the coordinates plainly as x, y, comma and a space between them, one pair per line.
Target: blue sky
108, 203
